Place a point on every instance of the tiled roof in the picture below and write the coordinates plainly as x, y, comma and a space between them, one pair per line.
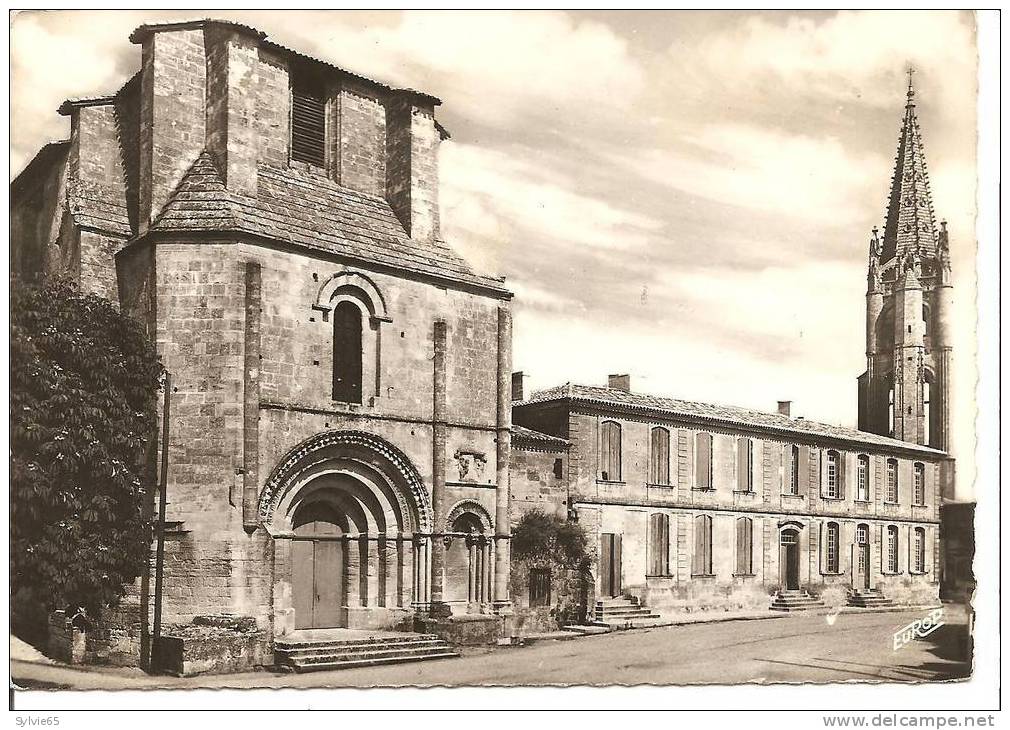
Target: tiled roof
713, 413
310, 210
91, 207
522, 433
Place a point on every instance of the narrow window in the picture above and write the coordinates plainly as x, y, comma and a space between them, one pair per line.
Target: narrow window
744, 546
892, 481
540, 587
793, 475
745, 464
862, 534
892, 549
659, 545
347, 353
927, 416
834, 476
610, 451
831, 548
559, 466
926, 324
703, 461
659, 458
919, 550
890, 412
863, 479
308, 122
702, 563
920, 485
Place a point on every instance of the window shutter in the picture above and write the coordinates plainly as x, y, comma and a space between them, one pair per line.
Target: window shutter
698, 563
742, 459
703, 462
308, 124
804, 469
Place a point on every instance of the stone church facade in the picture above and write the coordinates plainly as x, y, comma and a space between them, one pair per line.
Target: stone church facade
340, 411
342, 450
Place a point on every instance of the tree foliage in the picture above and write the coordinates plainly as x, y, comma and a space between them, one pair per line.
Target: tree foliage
549, 541
83, 410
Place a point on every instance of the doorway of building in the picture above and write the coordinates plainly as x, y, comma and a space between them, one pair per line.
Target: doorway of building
610, 564
861, 560
318, 576
789, 558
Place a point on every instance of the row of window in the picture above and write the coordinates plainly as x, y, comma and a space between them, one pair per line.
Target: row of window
797, 470
658, 549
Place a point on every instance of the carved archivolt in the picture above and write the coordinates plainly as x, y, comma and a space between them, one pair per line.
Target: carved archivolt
473, 507
359, 286
349, 445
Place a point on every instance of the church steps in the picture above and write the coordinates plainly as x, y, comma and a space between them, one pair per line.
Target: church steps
302, 656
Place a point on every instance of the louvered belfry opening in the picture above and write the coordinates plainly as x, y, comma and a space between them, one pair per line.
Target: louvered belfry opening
308, 120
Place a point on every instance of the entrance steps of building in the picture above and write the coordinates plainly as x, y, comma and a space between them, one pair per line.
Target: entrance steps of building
795, 600
622, 612
868, 598
314, 654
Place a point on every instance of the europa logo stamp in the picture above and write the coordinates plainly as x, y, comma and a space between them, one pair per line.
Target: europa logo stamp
919, 628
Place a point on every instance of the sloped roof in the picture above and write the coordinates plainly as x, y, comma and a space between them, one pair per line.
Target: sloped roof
910, 224
553, 443
91, 207
310, 210
713, 413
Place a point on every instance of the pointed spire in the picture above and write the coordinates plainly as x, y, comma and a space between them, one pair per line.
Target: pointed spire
910, 223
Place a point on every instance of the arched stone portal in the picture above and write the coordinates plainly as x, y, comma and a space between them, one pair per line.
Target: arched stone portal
351, 522
468, 558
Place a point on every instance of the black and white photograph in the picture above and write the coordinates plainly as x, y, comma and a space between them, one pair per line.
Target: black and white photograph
395, 349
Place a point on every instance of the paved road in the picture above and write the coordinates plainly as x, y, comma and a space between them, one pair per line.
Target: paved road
794, 648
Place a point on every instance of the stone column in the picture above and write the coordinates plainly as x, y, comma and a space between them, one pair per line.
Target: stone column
391, 556
502, 525
488, 571
373, 556
405, 571
439, 608
473, 573
352, 567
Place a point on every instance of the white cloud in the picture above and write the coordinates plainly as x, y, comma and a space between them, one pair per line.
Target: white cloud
496, 197
794, 175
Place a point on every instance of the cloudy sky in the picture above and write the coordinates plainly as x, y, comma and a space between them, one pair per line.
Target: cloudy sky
685, 196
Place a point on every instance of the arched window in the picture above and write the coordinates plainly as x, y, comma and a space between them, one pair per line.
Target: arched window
834, 467
744, 546
659, 457
702, 562
347, 353
919, 496
862, 534
919, 550
891, 553
610, 451
703, 461
863, 478
831, 547
745, 464
659, 544
892, 481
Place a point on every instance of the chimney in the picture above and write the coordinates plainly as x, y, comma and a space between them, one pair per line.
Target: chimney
619, 382
412, 141
784, 406
517, 386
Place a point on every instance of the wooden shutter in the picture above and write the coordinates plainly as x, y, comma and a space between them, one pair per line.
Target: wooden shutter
618, 568
610, 451
308, 123
702, 545
703, 461
743, 464
659, 466
744, 546
803, 470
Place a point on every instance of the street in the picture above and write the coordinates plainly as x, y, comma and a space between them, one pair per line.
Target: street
792, 648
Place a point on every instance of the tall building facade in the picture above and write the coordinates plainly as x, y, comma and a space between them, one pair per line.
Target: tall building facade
905, 391
340, 413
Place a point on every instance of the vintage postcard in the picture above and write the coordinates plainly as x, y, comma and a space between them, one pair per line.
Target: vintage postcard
492, 349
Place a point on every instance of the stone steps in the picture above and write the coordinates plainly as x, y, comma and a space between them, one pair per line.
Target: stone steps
794, 601
309, 656
622, 612
869, 598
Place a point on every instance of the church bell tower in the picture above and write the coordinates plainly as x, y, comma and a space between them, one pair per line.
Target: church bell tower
905, 390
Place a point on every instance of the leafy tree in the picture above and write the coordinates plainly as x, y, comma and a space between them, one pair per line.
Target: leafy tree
83, 397
549, 541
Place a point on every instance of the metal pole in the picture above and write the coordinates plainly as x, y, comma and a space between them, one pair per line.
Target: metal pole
159, 560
